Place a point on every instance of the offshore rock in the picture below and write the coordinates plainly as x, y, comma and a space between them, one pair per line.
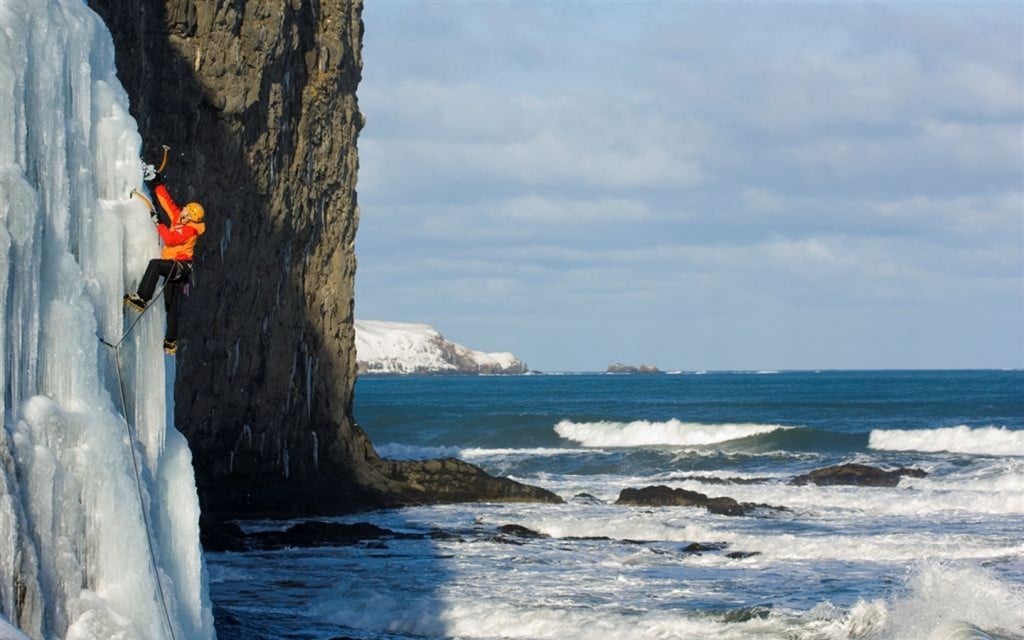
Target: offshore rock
257, 100
857, 474
618, 367
701, 547
717, 480
662, 496
520, 531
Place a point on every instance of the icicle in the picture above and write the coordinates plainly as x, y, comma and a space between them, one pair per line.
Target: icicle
73, 519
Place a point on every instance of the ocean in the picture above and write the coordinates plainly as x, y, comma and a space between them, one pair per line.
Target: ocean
933, 558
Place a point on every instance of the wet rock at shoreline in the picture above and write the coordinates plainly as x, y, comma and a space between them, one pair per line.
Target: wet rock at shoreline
228, 536
702, 547
717, 480
519, 531
450, 480
662, 496
740, 555
221, 536
858, 475
313, 533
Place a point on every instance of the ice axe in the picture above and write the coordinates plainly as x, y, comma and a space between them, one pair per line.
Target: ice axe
163, 163
149, 171
136, 193
149, 203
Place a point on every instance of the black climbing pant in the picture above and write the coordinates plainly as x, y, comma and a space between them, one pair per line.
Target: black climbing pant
177, 275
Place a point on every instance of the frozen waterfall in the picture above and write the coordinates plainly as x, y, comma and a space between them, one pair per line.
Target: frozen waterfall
75, 553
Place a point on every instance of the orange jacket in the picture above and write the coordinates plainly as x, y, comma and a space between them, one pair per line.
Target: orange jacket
179, 238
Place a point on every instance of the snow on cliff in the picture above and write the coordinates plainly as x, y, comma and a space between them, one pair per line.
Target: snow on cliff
99, 535
400, 347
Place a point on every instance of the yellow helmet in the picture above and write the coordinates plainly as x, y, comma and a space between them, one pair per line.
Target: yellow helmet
194, 212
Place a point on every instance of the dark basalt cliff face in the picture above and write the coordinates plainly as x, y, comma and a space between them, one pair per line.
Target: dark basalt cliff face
257, 100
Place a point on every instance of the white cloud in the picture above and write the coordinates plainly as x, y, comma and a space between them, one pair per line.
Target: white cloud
536, 209
992, 215
984, 218
552, 158
511, 220
766, 201
985, 147
780, 166
467, 133
989, 90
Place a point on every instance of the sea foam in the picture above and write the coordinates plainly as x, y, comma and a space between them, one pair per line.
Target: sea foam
949, 601
993, 441
641, 433
940, 602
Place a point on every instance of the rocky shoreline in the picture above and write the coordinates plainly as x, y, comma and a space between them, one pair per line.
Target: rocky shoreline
454, 481
232, 538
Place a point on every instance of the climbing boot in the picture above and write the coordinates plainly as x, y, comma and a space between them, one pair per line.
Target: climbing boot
170, 347
135, 301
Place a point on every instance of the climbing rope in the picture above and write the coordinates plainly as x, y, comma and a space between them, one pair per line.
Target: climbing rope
142, 502
139, 317
116, 349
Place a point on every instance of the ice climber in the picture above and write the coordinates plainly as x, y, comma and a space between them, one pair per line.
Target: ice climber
179, 229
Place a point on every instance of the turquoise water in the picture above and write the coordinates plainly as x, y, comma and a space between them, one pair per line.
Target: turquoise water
935, 557
829, 414
499, 410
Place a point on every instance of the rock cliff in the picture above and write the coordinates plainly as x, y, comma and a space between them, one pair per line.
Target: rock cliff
257, 99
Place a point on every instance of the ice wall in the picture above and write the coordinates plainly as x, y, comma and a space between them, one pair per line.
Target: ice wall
77, 559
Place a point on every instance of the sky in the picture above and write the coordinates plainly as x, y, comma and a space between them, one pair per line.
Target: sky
695, 186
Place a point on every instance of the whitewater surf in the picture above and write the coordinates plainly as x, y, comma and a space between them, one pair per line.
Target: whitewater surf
933, 557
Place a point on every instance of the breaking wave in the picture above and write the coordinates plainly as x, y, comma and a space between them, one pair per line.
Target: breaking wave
644, 433
994, 441
940, 602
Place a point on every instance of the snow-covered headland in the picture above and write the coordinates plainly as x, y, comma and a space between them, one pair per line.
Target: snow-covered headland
99, 533
407, 348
